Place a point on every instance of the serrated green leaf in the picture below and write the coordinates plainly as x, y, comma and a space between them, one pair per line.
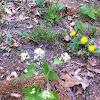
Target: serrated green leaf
30, 73
27, 90
20, 78
90, 42
96, 50
30, 69
79, 26
52, 75
56, 62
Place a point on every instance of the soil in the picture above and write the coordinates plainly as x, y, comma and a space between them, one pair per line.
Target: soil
10, 60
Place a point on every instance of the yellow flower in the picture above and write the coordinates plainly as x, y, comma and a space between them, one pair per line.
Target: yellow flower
72, 33
83, 40
91, 48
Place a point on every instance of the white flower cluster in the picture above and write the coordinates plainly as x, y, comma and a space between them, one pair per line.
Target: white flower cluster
33, 91
46, 94
24, 56
38, 53
64, 57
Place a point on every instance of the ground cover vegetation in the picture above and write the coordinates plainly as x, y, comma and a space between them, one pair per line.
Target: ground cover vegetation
77, 40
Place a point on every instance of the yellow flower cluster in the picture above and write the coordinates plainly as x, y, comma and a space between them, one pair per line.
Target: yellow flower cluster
91, 48
72, 33
83, 40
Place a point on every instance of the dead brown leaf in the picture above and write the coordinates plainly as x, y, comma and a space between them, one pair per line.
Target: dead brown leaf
93, 61
15, 95
70, 11
71, 29
35, 13
94, 70
67, 38
36, 20
70, 81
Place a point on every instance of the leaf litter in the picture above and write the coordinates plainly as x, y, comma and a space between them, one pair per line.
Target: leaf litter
66, 84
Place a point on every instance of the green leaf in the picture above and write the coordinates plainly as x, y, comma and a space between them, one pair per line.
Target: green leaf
88, 12
44, 67
79, 42
30, 70
90, 42
38, 89
85, 10
73, 45
27, 92
23, 34
83, 52
52, 75
9, 0
79, 26
55, 95
96, 50
20, 78
56, 62
9, 36
39, 2
30, 97
30, 73
91, 15
60, 6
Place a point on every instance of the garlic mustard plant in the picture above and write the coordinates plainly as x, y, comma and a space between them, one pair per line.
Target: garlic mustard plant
46, 94
36, 93
38, 53
24, 56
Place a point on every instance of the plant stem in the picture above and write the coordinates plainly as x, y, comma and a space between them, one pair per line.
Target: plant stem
48, 84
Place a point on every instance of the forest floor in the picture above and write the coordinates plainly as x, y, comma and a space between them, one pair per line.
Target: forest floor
79, 79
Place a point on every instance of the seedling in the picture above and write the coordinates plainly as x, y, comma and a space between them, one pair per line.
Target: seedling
36, 93
9, 36
50, 11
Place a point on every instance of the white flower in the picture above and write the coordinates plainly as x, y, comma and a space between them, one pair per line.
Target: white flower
33, 91
25, 71
27, 63
38, 53
38, 63
64, 57
24, 56
46, 94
